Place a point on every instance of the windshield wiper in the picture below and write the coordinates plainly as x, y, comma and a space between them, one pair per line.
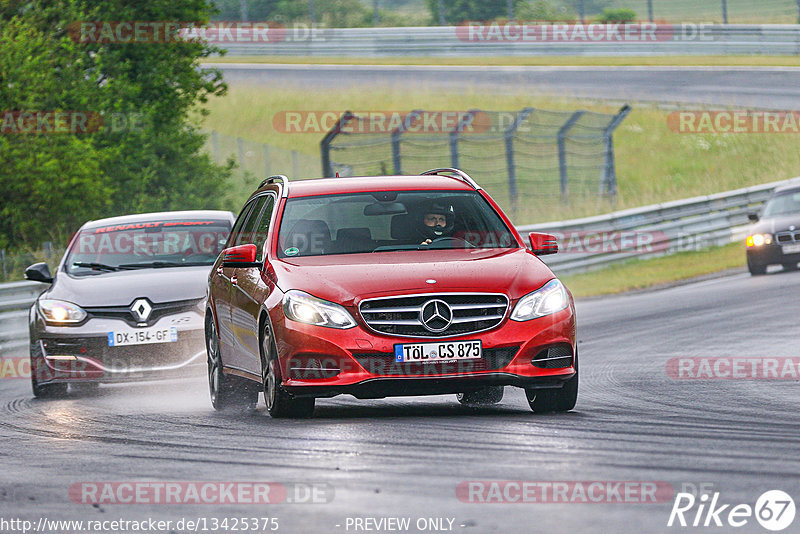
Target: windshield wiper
98, 266
162, 264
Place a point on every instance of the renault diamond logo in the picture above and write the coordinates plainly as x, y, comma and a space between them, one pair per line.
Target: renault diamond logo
140, 309
436, 316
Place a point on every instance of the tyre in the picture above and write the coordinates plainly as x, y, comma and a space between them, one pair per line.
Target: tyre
482, 397
39, 369
280, 404
555, 400
227, 392
755, 268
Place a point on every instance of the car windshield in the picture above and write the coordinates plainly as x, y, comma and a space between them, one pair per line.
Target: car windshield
389, 221
783, 204
146, 245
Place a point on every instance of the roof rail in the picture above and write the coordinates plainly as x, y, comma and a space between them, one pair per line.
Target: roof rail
456, 173
272, 179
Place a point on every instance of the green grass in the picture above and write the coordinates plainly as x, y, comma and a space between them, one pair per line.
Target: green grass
654, 164
642, 274
611, 61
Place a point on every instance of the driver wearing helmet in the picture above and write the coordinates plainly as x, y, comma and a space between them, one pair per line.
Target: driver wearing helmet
437, 219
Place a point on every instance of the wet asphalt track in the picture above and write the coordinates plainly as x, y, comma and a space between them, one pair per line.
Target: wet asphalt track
749, 87
404, 457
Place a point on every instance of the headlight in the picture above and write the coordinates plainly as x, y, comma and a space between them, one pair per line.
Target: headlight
59, 312
758, 240
303, 308
548, 299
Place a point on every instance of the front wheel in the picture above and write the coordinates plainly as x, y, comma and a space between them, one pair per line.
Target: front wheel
555, 400
280, 404
756, 268
39, 370
226, 392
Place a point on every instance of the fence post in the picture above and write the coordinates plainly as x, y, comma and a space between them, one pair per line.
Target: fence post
215, 145
463, 123
724, 11
396, 133
3, 261
240, 145
798, 11
512, 170
609, 181
325, 144
650, 9
581, 11
266, 161
562, 151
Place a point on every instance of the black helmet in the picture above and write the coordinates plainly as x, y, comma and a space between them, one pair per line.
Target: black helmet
436, 208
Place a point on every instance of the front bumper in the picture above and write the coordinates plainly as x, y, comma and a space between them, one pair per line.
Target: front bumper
324, 362
771, 255
84, 353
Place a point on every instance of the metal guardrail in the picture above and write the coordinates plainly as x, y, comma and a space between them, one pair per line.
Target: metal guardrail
665, 39
16, 299
686, 224
652, 231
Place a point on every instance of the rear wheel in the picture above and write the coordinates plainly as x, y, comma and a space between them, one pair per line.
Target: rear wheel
39, 370
555, 400
756, 268
482, 397
280, 403
226, 391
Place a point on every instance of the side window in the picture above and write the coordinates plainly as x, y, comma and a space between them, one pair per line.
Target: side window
262, 230
246, 235
237, 226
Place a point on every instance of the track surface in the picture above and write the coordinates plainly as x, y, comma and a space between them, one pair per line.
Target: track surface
758, 87
404, 457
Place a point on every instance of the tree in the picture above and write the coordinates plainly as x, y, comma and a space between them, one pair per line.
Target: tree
50, 182
458, 11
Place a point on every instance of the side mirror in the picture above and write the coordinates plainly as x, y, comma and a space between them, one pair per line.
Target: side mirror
241, 256
543, 244
39, 272
753, 217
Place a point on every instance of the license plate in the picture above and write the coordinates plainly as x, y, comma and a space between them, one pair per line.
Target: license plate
791, 249
143, 337
448, 351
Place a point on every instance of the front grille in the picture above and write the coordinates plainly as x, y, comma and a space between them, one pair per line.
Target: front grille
402, 316
159, 310
787, 237
556, 357
384, 364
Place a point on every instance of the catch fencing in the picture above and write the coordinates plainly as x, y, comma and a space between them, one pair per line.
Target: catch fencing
531, 154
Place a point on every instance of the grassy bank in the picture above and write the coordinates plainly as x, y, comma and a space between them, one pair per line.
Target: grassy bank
643, 274
654, 164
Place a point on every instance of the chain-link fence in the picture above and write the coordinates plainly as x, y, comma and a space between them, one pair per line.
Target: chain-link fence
255, 161
14, 263
528, 154
720, 11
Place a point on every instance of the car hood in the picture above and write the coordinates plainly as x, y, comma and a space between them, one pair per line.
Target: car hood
123, 287
347, 277
772, 225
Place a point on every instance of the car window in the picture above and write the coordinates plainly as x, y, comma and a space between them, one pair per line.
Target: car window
146, 244
237, 226
360, 223
262, 230
245, 236
783, 204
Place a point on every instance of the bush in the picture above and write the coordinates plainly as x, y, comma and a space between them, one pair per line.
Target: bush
617, 15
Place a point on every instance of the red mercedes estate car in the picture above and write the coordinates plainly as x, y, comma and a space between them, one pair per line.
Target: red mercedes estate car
385, 286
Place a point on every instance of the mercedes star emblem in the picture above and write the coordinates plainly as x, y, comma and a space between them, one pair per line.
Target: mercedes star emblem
436, 316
